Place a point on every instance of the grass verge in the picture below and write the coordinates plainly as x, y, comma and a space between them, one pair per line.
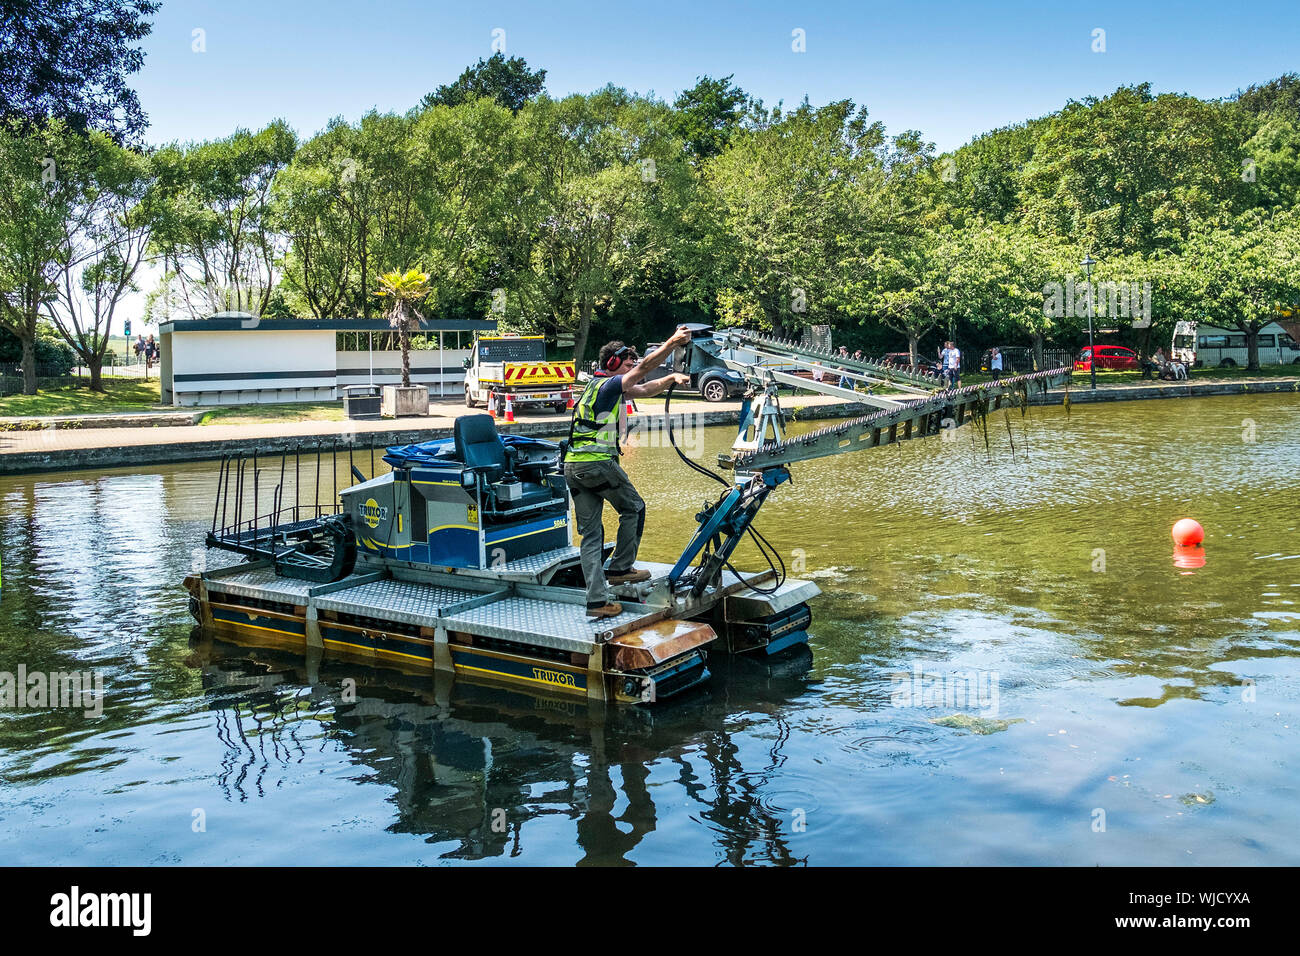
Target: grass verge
119, 395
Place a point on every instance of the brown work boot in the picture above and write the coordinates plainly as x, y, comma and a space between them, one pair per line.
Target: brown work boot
613, 609
631, 576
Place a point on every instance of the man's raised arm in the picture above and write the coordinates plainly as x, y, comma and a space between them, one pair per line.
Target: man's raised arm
653, 361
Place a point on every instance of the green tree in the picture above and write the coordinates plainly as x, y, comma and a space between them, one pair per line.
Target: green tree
105, 238
1241, 276
583, 229
791, 201
70, 59
315, 206
466, 160
914, 283
509, 82
1273, 163
1279, 97
36, 200
708, 114
984, 177
214, 228
1134, 172
404, 290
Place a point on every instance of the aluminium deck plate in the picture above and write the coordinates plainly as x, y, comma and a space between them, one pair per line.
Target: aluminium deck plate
262, 583
536, 565
534, 568
412, 603
654, 592
563, 626
748, 604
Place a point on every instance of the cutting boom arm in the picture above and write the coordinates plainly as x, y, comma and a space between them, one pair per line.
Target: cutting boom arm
761, 453
766, 446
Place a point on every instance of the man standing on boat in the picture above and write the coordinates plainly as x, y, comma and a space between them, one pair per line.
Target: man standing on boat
592, 470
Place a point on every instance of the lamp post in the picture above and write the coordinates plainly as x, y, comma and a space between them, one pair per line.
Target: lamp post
1087, 263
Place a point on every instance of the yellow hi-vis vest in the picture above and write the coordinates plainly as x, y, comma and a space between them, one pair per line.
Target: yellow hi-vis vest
592, 438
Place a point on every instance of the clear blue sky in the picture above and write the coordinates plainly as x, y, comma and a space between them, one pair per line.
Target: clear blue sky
949, 69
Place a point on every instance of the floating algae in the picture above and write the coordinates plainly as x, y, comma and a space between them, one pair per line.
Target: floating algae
980, 725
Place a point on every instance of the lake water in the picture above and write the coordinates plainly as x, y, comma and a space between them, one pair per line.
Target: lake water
1104, 705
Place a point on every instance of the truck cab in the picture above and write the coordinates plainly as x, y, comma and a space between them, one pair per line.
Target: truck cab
515, 367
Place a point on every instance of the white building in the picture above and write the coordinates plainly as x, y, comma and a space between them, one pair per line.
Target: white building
233, 359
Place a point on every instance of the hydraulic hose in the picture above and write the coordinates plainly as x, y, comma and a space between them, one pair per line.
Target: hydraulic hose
764, 546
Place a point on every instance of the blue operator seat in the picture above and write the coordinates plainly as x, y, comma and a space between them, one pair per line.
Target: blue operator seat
475, 500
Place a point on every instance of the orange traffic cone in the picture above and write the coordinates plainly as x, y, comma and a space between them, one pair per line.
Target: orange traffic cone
568, 401
492, 403
510, 408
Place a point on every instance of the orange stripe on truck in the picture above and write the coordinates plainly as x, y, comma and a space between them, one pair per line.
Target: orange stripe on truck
540, 373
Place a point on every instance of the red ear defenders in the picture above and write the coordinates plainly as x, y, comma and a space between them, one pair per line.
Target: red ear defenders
615, 358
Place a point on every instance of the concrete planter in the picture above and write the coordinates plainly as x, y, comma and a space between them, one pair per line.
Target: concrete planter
403, 402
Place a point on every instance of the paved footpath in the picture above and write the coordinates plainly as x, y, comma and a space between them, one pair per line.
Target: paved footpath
1188, 388
89, 446
49, 449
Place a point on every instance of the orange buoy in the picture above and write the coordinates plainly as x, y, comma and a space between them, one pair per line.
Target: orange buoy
1188, 532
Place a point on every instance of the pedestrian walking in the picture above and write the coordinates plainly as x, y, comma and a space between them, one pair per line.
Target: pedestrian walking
950, 364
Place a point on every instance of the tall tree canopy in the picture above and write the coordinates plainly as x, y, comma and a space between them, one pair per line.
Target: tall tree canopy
708, 114
106, 238
596, 164
1135, 172
792, 200
509, 82
37, 198
1277, 97
70, 59
215, 231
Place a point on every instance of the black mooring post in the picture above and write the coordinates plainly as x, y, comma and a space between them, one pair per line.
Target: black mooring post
334, 466
315, 491
296, 450
372, 456
351, 467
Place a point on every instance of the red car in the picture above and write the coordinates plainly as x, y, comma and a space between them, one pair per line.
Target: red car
1108, 357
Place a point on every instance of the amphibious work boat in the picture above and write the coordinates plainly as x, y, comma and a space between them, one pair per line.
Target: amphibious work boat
461, 559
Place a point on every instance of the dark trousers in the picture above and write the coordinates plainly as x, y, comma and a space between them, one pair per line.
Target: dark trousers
592, 483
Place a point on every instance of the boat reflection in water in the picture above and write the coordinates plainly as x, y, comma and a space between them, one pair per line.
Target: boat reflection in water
475, 768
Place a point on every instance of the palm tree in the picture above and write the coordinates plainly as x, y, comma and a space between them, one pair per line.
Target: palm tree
405, 289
